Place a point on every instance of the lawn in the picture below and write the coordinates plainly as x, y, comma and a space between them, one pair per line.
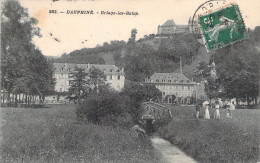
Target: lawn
54, 135
224, 140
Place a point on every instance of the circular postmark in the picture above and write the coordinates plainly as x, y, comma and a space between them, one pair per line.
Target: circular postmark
218, 23
205, 8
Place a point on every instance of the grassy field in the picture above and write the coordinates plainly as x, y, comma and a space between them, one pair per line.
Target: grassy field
53, 135
224, 140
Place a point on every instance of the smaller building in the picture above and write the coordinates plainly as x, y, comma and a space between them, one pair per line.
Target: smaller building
175, 87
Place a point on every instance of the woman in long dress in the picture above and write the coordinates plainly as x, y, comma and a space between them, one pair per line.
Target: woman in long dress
207, 116
217, 114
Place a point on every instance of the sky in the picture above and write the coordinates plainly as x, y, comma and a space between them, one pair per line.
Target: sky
64, 33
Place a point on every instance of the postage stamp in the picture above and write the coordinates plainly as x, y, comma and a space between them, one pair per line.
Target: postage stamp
222, 27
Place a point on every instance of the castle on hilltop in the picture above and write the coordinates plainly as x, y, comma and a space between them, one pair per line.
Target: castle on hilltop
169, 27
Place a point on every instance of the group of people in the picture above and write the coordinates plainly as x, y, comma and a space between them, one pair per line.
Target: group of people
216, 105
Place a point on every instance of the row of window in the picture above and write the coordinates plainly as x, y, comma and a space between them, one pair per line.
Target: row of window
170, 81
110, 77
171, 87
111, 70
176, 93
181, 100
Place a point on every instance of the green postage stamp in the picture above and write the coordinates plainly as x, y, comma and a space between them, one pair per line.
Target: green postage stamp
222, 27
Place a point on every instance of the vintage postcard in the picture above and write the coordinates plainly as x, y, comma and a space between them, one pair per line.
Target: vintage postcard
130, 81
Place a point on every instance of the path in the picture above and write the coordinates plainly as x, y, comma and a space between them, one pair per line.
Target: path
170, 153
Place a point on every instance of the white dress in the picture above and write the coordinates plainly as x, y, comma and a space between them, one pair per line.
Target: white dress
217, 114
206, 116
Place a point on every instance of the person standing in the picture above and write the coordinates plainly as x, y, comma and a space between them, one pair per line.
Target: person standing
217, 114
230, 107
197, 107
207, 116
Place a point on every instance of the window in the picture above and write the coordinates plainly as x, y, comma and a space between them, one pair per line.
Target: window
69, 69
157, 80
176, 93
182, 87
175, 81
182, 100
61, 76
163, 80
188, 87
111, 77
181, 81
118, 77
62, 69
60, 89
189, 94
188, 100
182, 93
176, 87
169, 81
111, 70
163, 93
188, 81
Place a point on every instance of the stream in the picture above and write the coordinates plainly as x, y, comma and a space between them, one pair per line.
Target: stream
170, 153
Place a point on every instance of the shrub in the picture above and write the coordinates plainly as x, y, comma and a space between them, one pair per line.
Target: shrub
106, 108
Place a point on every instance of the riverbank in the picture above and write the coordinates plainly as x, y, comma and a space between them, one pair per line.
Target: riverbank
53, 135
224, 140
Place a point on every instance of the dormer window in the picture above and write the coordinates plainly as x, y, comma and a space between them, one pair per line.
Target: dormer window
169, 81
181, 81
188, 81
111, 70
61, 69
175, 81
157, 80
118, 70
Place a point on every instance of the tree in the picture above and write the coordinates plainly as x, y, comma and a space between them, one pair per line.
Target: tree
24, 68
133, 36
96, 80
78, 86
139, 93
238, 69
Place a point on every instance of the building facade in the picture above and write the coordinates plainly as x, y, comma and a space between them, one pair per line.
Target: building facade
114, 76
175, 87
169, 27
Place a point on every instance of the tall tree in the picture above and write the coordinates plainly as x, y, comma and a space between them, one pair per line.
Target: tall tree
78, 87
238, 68
23, 65
96, 79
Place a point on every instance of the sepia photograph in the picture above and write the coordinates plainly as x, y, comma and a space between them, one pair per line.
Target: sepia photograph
130, 81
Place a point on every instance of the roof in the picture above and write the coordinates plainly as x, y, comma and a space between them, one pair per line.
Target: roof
169, 22
169, 78
66, 68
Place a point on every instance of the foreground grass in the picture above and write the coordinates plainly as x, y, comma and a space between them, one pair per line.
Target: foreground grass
224, 140
53, 135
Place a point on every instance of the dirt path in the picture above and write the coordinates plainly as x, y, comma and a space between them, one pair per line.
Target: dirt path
170, 153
